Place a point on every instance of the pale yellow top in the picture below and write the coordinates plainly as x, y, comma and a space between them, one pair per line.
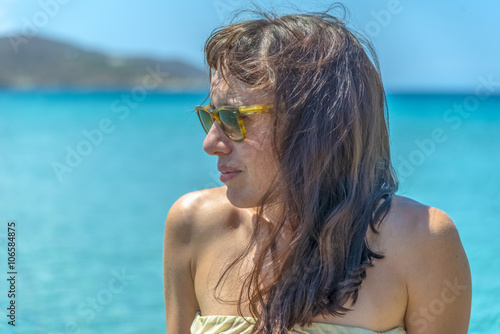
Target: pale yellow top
216, 324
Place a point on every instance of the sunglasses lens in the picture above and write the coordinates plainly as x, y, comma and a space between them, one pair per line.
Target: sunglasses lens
230, 124
205, 119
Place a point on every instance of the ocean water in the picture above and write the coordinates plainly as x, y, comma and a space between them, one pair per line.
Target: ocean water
88, 180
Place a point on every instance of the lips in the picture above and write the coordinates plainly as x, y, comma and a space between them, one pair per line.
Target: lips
227, 173
226, 169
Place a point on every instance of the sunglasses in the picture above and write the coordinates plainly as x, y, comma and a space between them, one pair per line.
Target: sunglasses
229, 118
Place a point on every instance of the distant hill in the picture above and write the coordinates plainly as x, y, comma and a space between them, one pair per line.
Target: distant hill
41, 63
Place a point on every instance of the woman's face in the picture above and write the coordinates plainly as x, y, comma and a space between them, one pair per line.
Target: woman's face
248, 167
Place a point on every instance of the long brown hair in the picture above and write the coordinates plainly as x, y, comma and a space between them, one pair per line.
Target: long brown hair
331, 141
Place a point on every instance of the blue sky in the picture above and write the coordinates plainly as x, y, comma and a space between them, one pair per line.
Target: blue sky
423, 45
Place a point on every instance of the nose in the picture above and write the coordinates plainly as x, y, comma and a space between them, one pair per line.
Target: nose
216, 142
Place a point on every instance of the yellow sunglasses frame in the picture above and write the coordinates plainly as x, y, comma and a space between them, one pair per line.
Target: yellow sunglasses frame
248, 110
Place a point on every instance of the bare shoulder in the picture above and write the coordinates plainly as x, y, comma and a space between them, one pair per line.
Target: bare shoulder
192, 221
197, 215
411, 225
426, 247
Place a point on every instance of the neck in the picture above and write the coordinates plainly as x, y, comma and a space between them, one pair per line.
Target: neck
270, 213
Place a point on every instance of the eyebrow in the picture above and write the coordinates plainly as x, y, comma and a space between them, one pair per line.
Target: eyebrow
225, 104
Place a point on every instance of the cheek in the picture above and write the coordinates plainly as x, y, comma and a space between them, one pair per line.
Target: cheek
260, 157
267, 159
266, 163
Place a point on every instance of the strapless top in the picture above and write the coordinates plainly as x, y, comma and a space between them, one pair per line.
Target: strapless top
216, 324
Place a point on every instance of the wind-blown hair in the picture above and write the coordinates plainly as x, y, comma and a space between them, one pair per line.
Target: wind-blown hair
330, 139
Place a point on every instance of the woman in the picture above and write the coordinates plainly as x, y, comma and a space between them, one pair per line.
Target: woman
307, 234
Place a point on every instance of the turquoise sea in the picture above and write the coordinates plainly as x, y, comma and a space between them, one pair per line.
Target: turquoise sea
88, 179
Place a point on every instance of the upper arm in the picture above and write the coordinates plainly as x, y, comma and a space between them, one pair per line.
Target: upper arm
438, 279
178, 276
